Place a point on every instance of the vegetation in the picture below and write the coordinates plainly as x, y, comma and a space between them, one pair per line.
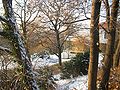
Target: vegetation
13, 79
36, 26
78, 65
110, 47
114, 81
45, 78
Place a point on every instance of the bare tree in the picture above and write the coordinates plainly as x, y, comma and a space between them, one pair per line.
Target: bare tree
11, 32
110, 47
60, 18
26, 14
94, 45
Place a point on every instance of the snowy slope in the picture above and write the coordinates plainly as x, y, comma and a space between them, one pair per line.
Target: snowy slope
79, 83
40, 62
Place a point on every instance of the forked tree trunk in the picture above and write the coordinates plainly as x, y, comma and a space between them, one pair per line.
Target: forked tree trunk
94, 44
19, 48
110, 47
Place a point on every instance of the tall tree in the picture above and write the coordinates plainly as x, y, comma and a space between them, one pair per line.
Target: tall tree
11, 32
108, 60
60, 17
94, 44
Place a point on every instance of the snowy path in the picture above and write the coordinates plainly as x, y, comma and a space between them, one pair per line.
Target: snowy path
79, 83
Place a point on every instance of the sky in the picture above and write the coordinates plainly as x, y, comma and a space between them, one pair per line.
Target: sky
85, 23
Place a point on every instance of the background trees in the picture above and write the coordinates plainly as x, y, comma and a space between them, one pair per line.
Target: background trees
60, 17
111, 19
57, 17
110, 47
26, 13
50, 23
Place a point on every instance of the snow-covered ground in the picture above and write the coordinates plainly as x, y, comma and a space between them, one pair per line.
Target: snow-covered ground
79, 83
40, 62
46, 61
37, 62
7, 65
53, 59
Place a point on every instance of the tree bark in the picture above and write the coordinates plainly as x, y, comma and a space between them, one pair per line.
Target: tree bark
116, 55
18, 46
24, 28
109, 47
59, 48
94, 45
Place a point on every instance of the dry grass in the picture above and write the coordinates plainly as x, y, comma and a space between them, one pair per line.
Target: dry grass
55, 69
114, 81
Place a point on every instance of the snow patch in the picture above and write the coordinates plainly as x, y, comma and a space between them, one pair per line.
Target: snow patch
79, 83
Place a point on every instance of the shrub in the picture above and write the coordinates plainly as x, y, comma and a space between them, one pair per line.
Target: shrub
78, 65
45, 78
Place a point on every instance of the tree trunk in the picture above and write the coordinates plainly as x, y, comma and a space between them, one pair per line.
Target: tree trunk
19, 48
24, 28
94, 45
110, 47
59, 47
116, 56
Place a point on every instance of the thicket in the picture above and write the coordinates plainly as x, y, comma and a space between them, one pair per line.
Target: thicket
78, 65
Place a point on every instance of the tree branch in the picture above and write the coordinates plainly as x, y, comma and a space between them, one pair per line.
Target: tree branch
76, 21
3, 19
104, 29
6, 50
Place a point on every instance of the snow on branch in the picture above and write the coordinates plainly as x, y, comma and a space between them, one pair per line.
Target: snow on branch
5, 49
3, 19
